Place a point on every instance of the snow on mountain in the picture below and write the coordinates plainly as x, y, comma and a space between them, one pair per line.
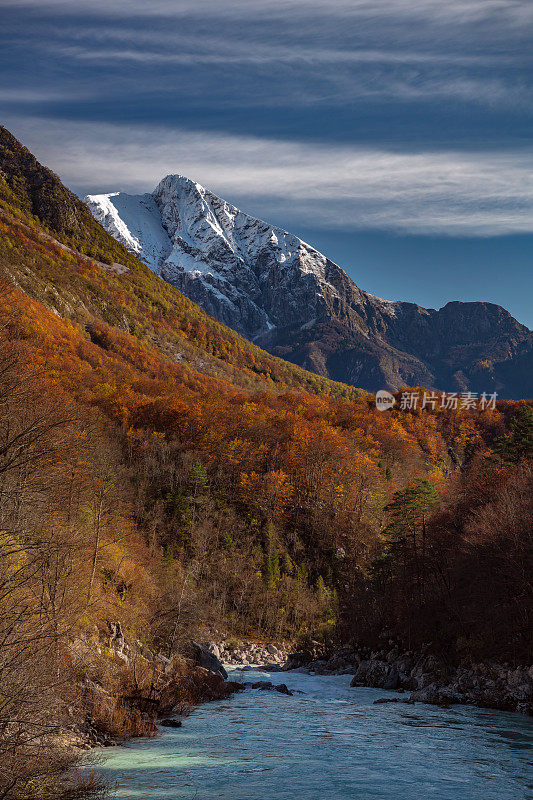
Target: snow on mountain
290, 299
136, 222
251, 275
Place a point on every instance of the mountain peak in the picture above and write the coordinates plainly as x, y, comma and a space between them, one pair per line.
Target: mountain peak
290, 299
179, 182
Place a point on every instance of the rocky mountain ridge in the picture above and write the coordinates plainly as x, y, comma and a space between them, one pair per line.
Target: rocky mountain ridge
296, 303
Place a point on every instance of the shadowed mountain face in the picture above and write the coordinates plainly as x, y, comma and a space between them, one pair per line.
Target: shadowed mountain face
294, 302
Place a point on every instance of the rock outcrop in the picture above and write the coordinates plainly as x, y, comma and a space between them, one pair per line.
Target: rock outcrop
209, 659
427, 677
239, 653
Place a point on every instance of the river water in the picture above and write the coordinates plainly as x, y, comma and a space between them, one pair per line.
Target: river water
327, 742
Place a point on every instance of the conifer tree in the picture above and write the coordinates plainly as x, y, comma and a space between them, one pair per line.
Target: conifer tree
518, 444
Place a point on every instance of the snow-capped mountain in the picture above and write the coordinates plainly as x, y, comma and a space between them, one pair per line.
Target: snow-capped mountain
251, 275
290, 299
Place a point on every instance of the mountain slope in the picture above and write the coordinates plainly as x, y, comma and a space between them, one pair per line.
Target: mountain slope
293, 301
235, 466
97, 278
163, 478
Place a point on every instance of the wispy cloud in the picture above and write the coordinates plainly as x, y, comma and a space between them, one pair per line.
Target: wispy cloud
209, 51
275, 53
26, 96
336, 77
514, 11
352, 188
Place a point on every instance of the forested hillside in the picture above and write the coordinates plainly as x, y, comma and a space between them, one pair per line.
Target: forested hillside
160, 471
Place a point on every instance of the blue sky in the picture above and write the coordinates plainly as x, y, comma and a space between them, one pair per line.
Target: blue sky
394, 135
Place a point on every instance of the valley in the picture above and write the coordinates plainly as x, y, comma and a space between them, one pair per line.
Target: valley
164, 478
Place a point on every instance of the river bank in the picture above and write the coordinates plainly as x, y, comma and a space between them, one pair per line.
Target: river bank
157, 690
422, 675
419, 676
124, 690
235, 652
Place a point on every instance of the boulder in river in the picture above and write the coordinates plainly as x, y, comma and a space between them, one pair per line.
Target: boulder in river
268, 686
208, 660
170, 723
376, 673
382, 700
437, 695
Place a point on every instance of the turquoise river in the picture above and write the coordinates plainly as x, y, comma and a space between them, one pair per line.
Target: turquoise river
326, 742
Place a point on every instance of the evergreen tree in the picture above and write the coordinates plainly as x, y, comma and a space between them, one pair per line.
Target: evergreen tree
518, 444
409, 510
198, 476
321, 590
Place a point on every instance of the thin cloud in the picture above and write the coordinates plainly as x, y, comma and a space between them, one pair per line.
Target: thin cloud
511, 11
311, 51
351, 188
410, 77
218, 52
24, 96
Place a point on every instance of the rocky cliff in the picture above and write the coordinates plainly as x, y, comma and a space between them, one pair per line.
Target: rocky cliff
293, 301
